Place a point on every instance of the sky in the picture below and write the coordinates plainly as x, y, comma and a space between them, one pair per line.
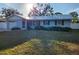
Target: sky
64, 8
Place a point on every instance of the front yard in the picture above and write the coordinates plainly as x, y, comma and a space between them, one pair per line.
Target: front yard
36, 42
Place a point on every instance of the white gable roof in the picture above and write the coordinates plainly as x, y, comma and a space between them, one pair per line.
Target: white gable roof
54, 17
15, 18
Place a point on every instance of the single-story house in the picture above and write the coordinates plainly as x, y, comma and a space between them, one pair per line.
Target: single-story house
49, 21
36, 21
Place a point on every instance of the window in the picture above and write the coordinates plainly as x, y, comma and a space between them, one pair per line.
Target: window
46, 22
23, 24
38, 23
62, 22
59, 22
55, 22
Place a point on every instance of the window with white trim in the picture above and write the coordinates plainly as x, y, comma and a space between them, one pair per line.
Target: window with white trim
46, 22
23, 24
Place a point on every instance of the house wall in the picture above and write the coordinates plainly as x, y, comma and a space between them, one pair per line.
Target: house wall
67, 24
52, 23
21, 25
3, 26
14, 24
17, 22
75, 25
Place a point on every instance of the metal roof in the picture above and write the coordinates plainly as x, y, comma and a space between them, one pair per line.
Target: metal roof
54, 17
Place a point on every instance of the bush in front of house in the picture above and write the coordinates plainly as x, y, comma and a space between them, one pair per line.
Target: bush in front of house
61, 28
40, 28
16, 28
66, 29
44, 28
53, 28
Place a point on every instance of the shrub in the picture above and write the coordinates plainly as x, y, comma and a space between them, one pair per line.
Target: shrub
67, 29
16, 28
43, 28
53, 28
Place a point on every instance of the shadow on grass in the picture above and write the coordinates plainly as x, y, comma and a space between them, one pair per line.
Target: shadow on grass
12, 38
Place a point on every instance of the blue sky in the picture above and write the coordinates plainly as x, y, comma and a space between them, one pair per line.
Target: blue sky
64, 8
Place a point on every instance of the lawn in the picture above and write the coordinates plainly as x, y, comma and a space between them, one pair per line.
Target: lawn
34, 42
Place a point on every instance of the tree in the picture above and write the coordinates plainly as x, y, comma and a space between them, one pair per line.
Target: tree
75, 16
58, 13
7, 12
33, 12
48, 10
41, 10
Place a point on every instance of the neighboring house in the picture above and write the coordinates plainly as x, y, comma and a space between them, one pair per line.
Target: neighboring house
36, 21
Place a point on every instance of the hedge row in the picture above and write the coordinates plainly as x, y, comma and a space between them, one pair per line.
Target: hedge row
53, 28
47, 28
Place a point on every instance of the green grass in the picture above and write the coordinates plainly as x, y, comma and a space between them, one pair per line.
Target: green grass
36, 42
